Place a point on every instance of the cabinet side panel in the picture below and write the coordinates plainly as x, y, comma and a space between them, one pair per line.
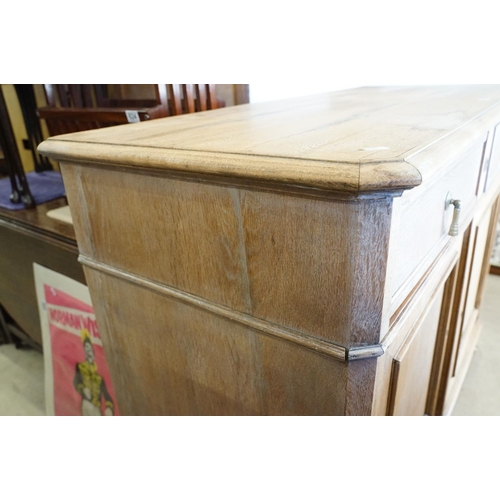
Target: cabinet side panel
317, 266
78, 207
184, 234
171, 358
297, 381
360, 387
373, 226
313, 265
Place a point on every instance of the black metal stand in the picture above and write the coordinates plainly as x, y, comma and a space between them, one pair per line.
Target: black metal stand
20, 189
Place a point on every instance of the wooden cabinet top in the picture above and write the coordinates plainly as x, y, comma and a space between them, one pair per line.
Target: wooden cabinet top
364, 140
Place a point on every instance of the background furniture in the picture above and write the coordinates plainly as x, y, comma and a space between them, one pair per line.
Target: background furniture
11, 161
29, 236
27, 102
298, 257
82, 107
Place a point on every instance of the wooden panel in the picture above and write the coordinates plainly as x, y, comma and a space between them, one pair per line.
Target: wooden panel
438, 277
478, 257
77, 204
181, 233
468, 343
448, 342
235, 248
360, 387
461, 330
169, 358
412, 365
441, 360
307, 264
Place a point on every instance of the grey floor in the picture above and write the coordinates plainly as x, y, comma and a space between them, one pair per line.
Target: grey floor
21, 381
22, 377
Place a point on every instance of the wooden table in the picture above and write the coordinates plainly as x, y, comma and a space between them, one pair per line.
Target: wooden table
28, 236
294, 257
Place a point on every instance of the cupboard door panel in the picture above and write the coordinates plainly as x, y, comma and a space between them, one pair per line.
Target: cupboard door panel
464, 326
412, 364
472, 285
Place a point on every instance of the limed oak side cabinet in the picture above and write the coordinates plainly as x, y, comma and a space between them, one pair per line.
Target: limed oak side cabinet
324, 255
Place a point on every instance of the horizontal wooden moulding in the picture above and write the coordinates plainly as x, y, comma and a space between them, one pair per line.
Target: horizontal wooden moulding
336, 351
357, 177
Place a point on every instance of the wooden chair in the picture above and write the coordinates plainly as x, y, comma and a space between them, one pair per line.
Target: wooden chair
75, 107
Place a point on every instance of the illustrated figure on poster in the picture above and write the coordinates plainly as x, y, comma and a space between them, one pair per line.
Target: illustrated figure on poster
89, 384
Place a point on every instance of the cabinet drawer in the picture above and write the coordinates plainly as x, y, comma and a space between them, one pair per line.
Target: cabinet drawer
424, 221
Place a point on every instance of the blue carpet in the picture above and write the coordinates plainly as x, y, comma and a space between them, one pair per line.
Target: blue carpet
44, 186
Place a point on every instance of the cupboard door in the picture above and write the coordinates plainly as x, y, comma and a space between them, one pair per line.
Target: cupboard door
470, 308
463, 331
411, 370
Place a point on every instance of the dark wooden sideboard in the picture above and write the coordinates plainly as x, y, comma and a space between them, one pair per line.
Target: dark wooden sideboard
28, 236
324, 255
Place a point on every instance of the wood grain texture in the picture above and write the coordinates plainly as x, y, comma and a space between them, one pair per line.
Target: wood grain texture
303, 270
459, 323
308, 341
277, 257
365, 135
478, 257
257, 260
413, 313
412, 365
440, 364
471, 288
292, 173
168, 358
196, 245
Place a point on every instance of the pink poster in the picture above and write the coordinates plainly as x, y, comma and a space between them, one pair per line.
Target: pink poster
76, 372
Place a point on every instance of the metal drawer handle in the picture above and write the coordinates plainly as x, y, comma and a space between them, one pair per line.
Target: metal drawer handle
457, 205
